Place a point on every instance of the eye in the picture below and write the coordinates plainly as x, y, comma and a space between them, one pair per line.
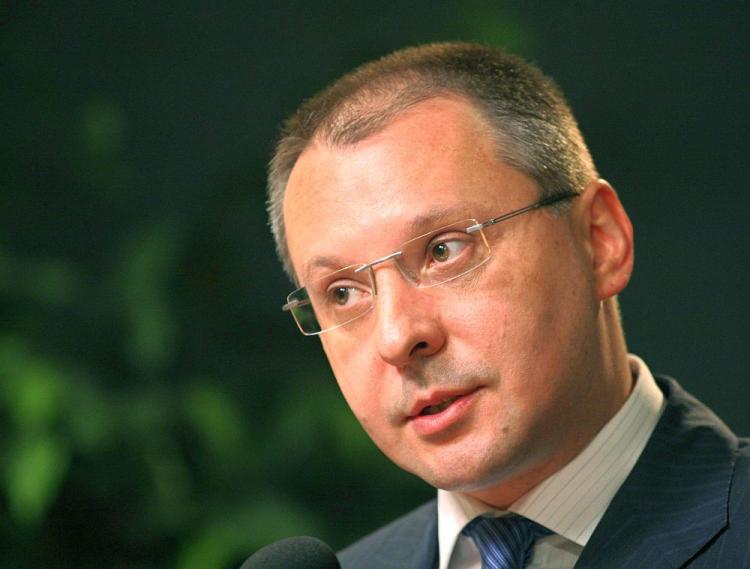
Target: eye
345, 296
340, 295
445, 251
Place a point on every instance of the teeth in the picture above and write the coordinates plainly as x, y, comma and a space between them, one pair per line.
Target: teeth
433, 409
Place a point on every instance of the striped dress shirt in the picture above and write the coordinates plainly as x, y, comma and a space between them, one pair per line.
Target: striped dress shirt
572, 501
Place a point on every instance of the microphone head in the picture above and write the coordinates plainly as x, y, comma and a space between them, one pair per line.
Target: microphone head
299, 552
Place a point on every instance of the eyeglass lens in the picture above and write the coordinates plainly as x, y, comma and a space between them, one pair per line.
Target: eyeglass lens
431, 259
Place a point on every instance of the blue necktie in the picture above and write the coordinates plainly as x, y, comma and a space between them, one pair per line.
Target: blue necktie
504, 543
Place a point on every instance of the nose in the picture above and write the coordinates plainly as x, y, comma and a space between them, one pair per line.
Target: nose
408, 326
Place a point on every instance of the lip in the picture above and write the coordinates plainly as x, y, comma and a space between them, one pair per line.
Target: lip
426, 425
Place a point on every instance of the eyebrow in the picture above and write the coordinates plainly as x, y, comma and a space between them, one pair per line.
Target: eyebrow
321, 262
416, 226
431, 218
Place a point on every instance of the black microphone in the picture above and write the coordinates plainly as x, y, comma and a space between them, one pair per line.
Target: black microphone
293, 552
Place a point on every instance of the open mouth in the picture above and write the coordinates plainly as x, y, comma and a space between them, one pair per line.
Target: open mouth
441, 412
435, 409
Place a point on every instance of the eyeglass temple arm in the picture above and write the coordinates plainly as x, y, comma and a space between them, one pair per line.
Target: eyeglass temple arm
471, 229
541, 203
294, 304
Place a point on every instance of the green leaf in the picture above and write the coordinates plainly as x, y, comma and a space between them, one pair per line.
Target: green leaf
34, 389
217, 419
147, 267
236, 535
103, 129
35, 469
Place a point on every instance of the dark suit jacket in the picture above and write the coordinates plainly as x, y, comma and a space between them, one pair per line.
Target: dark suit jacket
686, 504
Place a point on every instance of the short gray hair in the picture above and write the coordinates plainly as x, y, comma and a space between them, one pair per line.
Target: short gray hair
531, 122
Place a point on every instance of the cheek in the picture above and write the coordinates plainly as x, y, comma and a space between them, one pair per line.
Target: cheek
528, 321
358, 378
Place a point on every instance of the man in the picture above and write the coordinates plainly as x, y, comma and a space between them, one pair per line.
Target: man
460, 259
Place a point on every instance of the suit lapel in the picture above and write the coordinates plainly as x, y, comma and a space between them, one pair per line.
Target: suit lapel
409, 542
675, 500
426, 549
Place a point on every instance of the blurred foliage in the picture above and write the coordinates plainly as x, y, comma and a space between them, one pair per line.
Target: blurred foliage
157, 409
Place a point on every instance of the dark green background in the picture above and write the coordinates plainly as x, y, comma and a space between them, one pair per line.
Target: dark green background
157, 409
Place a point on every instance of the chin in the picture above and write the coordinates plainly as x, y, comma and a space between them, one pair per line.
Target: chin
465, 484
474, 472
461, 477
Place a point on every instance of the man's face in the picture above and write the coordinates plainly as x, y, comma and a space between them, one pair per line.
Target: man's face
481, 382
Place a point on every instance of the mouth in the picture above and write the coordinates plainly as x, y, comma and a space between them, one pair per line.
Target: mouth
441, 413
442, 406
438, 402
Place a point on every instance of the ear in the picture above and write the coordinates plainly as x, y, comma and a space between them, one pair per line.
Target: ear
610, 238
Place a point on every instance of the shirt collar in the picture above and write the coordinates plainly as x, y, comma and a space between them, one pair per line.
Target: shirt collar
573, 500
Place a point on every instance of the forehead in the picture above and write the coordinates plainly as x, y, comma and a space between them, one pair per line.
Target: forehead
436, 160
